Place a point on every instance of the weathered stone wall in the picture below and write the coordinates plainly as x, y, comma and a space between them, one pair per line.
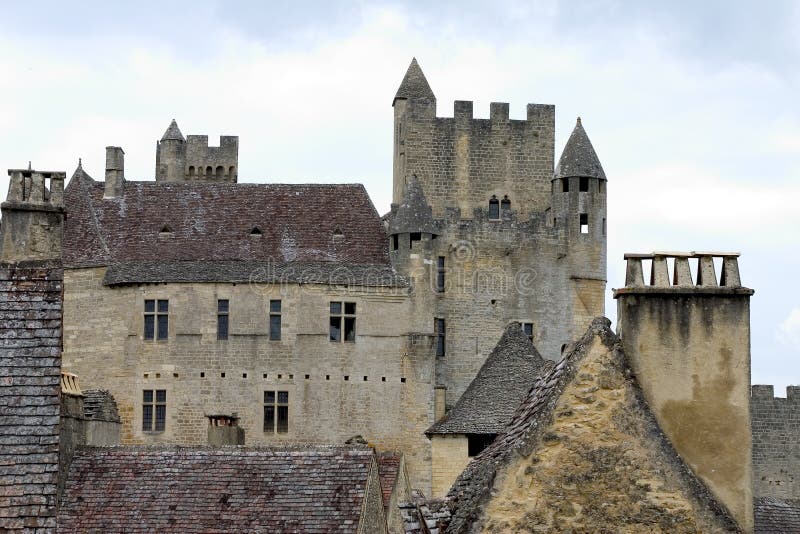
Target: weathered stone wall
599, 464
690, 350
379, 387
223, 160
373, 516
461, 162
72, 435
30, 389
776, 442
449, 456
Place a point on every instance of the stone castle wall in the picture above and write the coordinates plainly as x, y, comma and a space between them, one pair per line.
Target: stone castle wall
330, 399
776, 442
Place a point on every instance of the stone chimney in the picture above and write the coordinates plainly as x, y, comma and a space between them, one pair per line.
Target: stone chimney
688, 342
224, 430
33, 216
115, 172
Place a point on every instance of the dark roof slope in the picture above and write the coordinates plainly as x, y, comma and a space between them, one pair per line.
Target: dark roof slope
414, 84
388, 469
175, 489
173, 132
99, 405
30, 389
221, 221
494, 394
773, 516
414, 214
579, 157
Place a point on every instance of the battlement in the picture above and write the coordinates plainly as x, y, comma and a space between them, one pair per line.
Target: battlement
499, 112
761, 392
42, 190
683, 280
193, 160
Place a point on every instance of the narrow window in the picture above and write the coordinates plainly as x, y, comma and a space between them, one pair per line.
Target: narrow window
276, 412
395, 242
343, 322
476, 443
156, 323
505, 204
191, 172
416, 236
440, 330
601, 186
440, 274
604, 226
584, 220
583, 184
220, 172
528, 329
232, 173
565, 185
222, 318
494, 208
209, 171
154, 410
275, 320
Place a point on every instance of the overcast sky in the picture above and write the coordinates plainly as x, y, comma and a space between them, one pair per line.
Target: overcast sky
691, 106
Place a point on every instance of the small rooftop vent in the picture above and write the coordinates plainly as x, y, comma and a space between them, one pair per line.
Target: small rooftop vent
255, 232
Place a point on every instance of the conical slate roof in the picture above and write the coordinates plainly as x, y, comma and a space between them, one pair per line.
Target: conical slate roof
579, 158
491, 399
173, 132
414, 84
414, 214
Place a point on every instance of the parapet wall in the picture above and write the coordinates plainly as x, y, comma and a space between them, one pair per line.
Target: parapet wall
776, 442
687, 337
212, 163
462, 161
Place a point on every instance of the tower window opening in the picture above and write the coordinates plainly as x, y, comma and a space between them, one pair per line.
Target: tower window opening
583, 184
395, 242
191, 171
527, 329
601, 186
220, 172
505, 204
604, 226
209, 171
440, 273
416, 236
232, 173
584, 220
565, 185
494, 208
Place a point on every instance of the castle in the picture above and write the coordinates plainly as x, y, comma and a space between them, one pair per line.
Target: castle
303, 316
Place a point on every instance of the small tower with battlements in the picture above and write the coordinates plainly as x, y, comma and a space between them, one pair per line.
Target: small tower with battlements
33, 216
191, 159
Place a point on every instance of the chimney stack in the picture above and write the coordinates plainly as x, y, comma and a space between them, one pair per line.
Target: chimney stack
115, 172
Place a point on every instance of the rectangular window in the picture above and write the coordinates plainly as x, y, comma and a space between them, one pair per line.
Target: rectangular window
604, 226
343, 322
275, 320
276, 412
583, 184
565, 185
156, 319
222, 318
395, 242
584, 220
440, 330
440, 274
528, 329
154, 410
601, 186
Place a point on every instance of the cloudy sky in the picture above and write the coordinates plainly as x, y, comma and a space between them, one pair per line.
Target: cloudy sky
692, 106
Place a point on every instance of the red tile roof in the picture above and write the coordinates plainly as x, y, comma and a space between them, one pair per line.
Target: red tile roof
137, 489
388, 468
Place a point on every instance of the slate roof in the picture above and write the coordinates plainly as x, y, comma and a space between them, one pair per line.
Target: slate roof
414, 214
414, 84
388, 469
209, 222
579, 157
173, 132
776, 516
99, 405
234, 489
424, 516
494, 394
30, 389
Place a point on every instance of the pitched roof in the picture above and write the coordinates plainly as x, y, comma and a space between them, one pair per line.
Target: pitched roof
414, 84
30, 364
388, 469
414, 214
173, 132
579, 157
494, 394
233, 489
774, 516
170, 222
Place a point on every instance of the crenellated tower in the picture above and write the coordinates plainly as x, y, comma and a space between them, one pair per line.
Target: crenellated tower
191, 159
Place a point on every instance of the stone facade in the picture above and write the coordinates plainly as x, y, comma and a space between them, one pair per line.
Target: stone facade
688, 341
449, 457
776, 442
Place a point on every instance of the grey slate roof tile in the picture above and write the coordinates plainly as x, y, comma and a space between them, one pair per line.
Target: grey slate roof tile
414, 214
776, 516
579, 157
234, 489
494, 394
414, 84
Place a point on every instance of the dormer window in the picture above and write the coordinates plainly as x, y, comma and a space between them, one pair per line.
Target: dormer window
166, 231
338, 234
505, 204
494, 208
255, 232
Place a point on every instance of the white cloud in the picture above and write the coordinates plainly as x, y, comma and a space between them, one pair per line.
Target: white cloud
789, 330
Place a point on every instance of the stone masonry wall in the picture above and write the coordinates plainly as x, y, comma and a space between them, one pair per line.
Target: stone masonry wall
449, 457
776, 442
30, 389
379, 387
